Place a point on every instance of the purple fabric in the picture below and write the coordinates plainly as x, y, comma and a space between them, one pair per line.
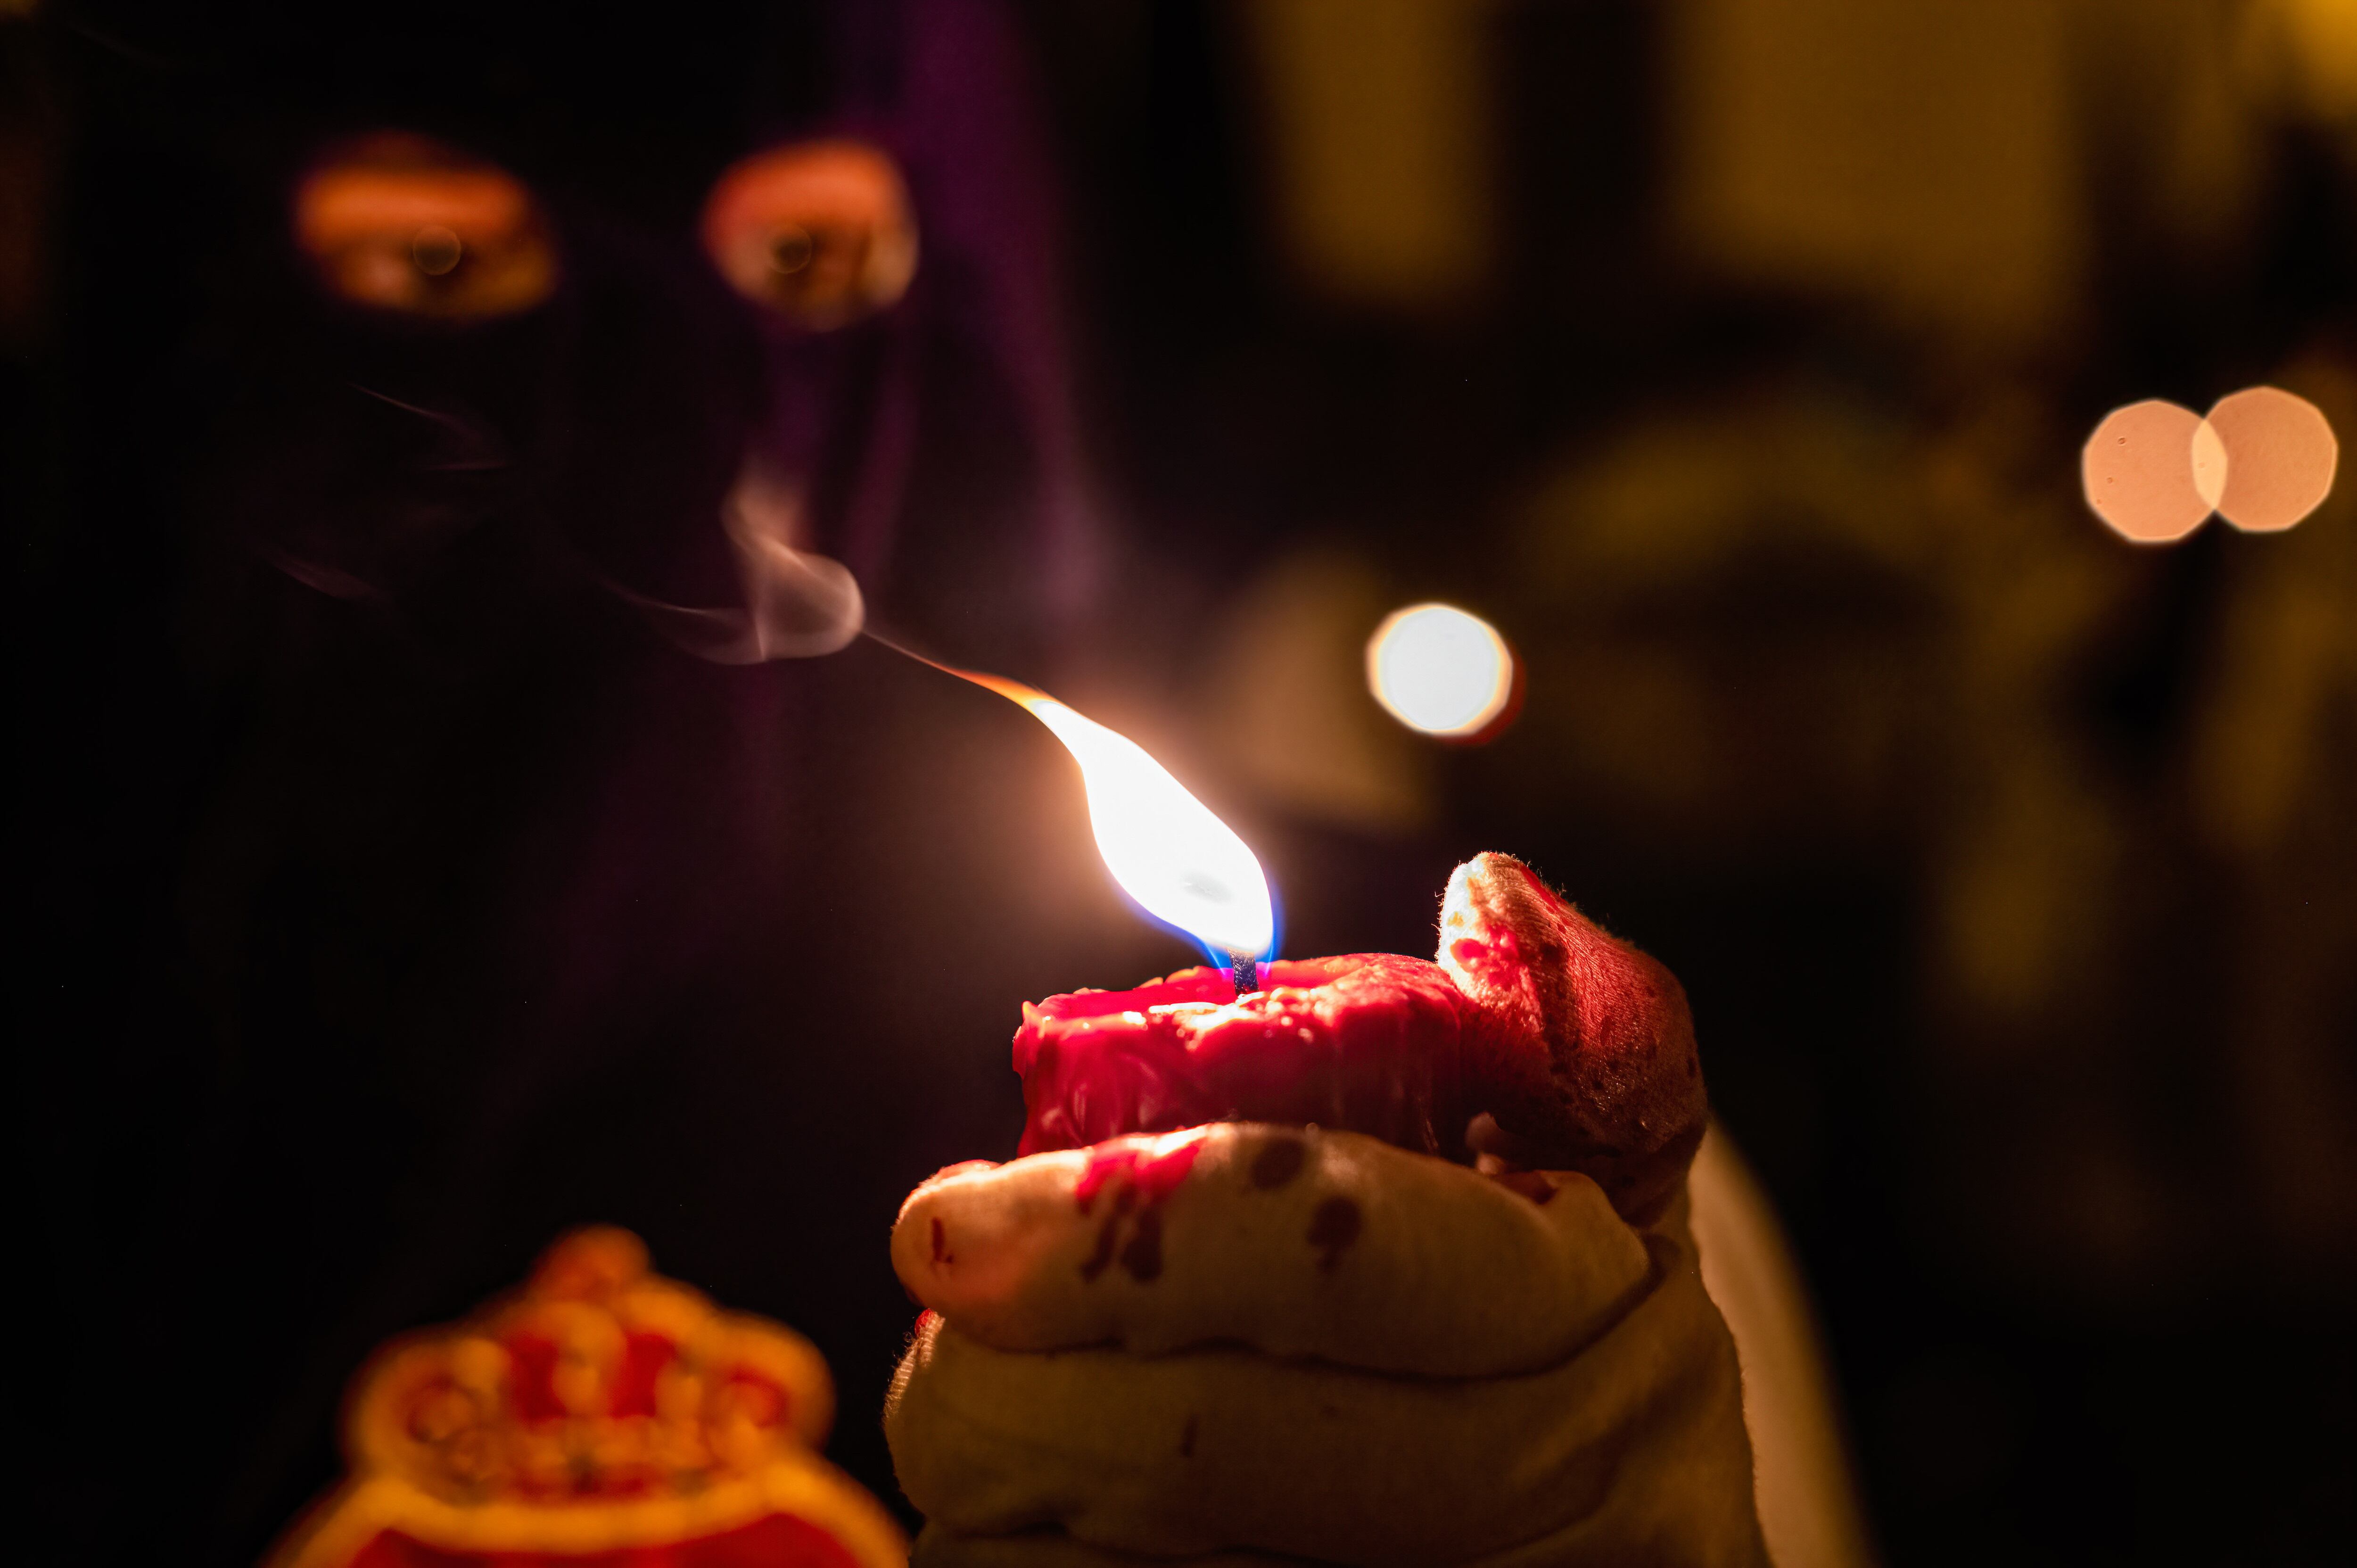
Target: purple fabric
943, 86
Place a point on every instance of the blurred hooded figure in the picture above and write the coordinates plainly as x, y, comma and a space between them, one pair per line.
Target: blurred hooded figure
459, 412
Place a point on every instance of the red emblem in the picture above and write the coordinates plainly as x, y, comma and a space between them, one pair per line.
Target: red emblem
604, 1415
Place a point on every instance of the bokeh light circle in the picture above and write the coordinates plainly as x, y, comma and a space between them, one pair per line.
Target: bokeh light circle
1441, 670
2280, 456
2139, 471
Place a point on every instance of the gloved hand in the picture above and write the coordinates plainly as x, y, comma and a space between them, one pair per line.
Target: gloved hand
1243, 1341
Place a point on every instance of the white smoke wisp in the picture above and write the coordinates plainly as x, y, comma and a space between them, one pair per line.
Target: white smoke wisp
798, 603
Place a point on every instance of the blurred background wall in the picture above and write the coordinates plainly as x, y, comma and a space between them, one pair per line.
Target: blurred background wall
1733, 358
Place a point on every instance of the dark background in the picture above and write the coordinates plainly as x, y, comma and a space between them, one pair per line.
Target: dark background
1732, 358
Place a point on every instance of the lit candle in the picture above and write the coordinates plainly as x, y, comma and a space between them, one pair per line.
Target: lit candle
1536, 1040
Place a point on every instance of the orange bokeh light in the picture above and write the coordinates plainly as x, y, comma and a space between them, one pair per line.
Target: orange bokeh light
2281, 453
2140, 472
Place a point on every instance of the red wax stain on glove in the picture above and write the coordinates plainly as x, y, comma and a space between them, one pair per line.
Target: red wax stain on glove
1366, 1041
1152, 1167
1148, 1171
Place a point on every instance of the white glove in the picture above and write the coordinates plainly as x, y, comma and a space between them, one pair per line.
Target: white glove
1244, 1341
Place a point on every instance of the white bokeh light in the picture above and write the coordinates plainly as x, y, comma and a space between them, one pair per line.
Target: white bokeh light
1441, 670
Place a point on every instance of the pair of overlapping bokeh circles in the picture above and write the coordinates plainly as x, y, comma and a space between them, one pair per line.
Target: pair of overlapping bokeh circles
2261, 459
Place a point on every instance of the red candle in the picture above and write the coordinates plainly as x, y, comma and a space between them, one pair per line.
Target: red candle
1538, 1040
1583, 1056
1366, 1041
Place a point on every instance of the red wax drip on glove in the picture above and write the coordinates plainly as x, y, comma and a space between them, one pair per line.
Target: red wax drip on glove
1537, 1039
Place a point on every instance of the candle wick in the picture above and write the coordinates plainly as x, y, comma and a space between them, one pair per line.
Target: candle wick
1244, 971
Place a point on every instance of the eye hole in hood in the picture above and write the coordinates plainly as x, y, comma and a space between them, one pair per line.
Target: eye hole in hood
821, 232
402, 223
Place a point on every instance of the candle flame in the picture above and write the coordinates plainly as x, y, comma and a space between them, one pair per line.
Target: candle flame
1181, 863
